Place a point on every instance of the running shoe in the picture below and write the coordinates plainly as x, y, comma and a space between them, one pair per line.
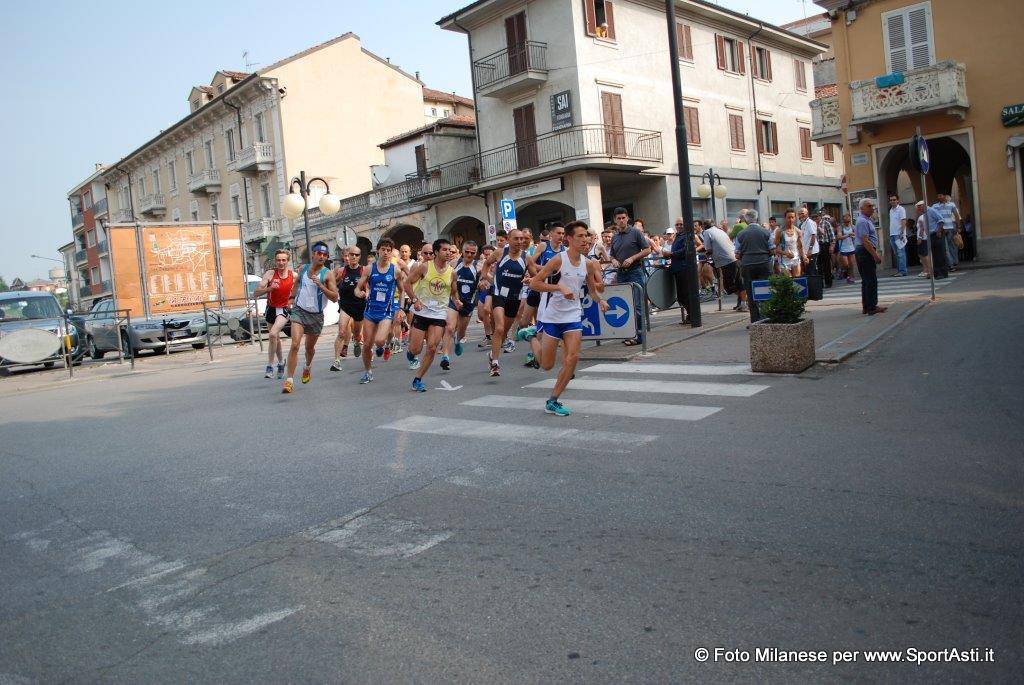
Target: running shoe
270, 372
336, 366
526, 334
387, 353
289, 385
417, 385
306, 375
366, 378
410, 357
458, 348
484, 344
495, 368
357, 349
414, 364
850, 281
509, 347
555, 407
344, 352
280, 371
531, 361
378, 351
446, 363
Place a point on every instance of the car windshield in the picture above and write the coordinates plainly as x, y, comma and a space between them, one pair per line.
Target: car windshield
25, 308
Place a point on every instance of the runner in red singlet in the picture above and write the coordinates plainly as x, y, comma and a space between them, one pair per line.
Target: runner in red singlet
277, 286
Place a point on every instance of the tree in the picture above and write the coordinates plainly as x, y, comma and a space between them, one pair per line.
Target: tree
3, 285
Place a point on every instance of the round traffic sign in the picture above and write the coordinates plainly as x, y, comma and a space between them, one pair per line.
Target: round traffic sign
919, 155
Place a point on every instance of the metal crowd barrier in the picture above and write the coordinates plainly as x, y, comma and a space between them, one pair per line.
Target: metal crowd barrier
228, 321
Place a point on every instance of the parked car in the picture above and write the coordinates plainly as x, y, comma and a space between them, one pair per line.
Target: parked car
104, 327
23, 309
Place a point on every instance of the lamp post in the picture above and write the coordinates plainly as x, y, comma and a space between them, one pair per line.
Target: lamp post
296, 204
712, 185
52, 259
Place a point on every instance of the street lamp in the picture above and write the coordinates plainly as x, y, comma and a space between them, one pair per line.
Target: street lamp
296, 204
712, 185
52, 259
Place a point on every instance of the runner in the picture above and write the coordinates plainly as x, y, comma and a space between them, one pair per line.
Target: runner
509, 272
460, 309
545, 252
310, 294
483, 310
562, 281
277, 286
377, 286
350, 308
430, 286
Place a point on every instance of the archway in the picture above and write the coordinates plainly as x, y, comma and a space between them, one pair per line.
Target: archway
465, 228
543, 214
406, 234
365, 247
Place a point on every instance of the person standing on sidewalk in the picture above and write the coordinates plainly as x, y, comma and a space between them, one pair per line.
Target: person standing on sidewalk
868, 258
898, 234
936, 240
922, 241
755, 256
827, 239
950, 222
723, 254
629, 249
809, 238
677, 269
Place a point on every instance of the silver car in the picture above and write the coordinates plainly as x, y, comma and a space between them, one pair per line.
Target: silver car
104, 326
21, 309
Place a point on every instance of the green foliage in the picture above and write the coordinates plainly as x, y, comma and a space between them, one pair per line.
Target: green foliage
3, 285
784, 306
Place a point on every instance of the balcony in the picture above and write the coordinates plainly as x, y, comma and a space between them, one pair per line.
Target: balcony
259, 229
153, 205
77, 219
123, 216
942, 87
102, 247
85, 291
825, 124
80, 257
512, 71
99, 208
205, 181
255, 159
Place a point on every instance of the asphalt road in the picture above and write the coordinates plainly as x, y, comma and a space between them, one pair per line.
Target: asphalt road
195, 524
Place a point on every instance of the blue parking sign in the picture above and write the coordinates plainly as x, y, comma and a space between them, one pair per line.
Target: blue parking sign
508, 209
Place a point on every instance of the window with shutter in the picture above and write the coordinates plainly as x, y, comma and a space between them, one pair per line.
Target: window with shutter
600, 18
684, 42
759, 130
692, 119
830, 154
736, 138
908, 38
800, 75
773, 148
805, 143
761, 63
720, 51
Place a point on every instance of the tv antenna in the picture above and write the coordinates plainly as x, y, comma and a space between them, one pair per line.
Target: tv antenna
245, 60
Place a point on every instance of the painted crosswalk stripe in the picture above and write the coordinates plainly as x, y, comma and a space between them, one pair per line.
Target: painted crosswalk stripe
553, 435
639, 410
674, 369
652, 386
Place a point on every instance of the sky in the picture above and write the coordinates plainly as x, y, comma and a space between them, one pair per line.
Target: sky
90, 82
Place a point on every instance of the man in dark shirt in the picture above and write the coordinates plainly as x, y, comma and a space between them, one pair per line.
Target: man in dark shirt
629, 248
755, 257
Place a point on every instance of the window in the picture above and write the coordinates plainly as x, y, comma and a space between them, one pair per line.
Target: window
692, 119
175, 214
729, 52
193, 209
229, 144
446, 113
142, 186
236, 208
90, 238
172, 175
195, 105
684, 42
220, 89
767, 137
156, 180
736, 138
829, 152
420, 153
257, 124
433, 111
908, 38
761, 63
208, 149
800, 75
805, 143
214, 210
194, 215
265, 199
600, 17
94, 276
190, 163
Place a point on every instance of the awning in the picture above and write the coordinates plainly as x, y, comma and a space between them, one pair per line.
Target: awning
1012, 144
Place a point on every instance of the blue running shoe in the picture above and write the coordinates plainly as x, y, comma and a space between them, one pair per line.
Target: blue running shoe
366, 378
458, 348
446, 363
270, 372
409, 356
526, 333
555, 407
417, 385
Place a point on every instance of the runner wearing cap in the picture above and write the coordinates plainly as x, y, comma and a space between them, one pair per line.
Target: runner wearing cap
314, 286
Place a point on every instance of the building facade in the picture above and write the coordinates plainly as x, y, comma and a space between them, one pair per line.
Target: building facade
943, 66
88, 270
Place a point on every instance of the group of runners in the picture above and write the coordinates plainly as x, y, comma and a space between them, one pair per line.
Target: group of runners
521, 292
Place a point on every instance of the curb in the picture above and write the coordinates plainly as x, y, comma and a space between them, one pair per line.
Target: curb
701, 331
849, 353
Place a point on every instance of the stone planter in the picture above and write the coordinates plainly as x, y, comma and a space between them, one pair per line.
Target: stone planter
781, 347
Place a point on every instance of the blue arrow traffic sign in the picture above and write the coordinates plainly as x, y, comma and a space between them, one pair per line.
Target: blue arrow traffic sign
508, 209
801, 286
618, 312
763, 289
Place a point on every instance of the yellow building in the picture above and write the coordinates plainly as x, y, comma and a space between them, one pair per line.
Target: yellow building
949, 67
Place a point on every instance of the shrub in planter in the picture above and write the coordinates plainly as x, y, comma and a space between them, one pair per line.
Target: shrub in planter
782, 342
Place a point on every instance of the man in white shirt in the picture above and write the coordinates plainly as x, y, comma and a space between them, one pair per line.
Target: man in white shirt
898, 234
950, 224
809, 236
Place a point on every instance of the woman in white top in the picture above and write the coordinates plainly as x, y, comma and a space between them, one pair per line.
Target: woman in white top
789, 246
847, 259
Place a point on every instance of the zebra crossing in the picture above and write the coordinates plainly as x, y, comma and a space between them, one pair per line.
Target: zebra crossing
890, 289
618, 390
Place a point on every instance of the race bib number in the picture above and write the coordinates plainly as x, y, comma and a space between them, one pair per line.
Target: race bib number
465, 290
381, 297
503, 291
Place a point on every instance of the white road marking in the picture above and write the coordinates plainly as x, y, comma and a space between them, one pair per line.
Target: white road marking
651, 386
376, 536
551, 435
674, 369
227, 632
640, 410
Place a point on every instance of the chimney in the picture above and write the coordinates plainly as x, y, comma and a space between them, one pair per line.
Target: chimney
99, 165
417, 76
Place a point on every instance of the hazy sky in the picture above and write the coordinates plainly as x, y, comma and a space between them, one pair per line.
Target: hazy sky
90, 82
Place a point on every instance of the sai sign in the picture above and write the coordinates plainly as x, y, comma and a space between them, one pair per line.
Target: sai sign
618, 323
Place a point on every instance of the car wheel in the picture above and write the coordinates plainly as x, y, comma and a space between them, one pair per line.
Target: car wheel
48, 365
126, 345
198, 346
94, 352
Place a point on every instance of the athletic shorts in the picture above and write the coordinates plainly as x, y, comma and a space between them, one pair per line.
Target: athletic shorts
422, 323
509, 304
273, 312
311, 322
463, 308
533, 300
376, 316
354, 310
730, 278
482, 296
557, 330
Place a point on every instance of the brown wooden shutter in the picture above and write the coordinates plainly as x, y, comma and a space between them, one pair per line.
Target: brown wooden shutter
611, 110
759, 129
736, 141
526, 136
515, 42
609, 18
720, 51
421, 160
754, 66
684, 42
741, 58
775, 138
801, 77
830, 155
805, 143
591, 17
768, 63
692, 118
688, 41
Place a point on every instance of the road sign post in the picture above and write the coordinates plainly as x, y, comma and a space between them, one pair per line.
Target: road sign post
508, 215
921, 159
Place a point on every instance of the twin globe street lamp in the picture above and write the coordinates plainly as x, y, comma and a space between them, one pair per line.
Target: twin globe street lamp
296, 204
712, 185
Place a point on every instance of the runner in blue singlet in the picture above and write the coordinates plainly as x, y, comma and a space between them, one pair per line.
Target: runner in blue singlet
378, 286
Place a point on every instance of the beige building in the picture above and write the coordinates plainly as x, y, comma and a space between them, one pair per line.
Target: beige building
245, 136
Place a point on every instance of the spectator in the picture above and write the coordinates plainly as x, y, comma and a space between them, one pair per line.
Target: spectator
678, 267
754, 254
629, 249
922, 241
789, 246
723, 254
950, 222
773, 227
809, 238
827, 238
847, 248
968, 252
741, 223
706, 276
936, 240
868, 258
898, 234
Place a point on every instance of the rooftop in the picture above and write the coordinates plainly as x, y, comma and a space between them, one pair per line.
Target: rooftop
441, 96
458, 121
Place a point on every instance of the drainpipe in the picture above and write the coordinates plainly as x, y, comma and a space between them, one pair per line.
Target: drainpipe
245, 185
753, 103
